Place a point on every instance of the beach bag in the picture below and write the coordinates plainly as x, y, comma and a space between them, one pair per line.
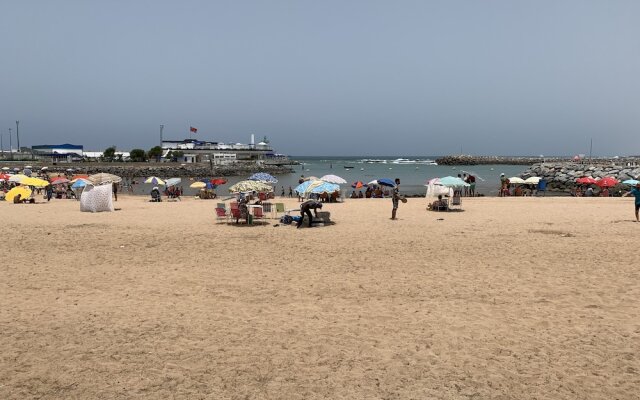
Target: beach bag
296, 219
286, 219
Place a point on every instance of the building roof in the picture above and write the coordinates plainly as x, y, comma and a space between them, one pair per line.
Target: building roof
66, 146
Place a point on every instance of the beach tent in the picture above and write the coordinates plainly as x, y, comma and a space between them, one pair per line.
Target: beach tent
434, 188
96, 198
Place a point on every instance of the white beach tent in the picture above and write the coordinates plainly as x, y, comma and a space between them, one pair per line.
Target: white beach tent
96, 198
434, 189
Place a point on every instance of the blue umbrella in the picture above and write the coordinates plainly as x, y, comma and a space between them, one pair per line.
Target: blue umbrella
80, 183
631, 182
263, 177
325, 187
386, 182
301, 188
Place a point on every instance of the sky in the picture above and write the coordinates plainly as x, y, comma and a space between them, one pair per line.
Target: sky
326, 77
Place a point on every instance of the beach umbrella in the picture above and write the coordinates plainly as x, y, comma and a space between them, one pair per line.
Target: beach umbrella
80, 183
321, 187
44, 168
386, 182
173, 181
154, 180
358, 185
516, 180
198, 185
452, 181
27, 171
58, 181
103, 178
263, 177
6, 168
23, 191
631, 182
301, 188
16, 169
586, 180
310, 178
76, 177
218, 181
250, 186
333, 179
28, 167
17, 178
532, 180
5, 177
607, 182
35, 182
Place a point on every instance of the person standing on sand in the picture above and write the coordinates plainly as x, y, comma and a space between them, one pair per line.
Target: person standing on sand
395, 199
635, 192
115, 190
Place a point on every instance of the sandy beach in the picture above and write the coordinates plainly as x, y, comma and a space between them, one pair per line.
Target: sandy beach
514, 298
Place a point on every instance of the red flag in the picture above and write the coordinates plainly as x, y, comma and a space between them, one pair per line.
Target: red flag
192, 129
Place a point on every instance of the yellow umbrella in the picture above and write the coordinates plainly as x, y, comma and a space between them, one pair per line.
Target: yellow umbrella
35, 182
154, 180
198, 185
23, 191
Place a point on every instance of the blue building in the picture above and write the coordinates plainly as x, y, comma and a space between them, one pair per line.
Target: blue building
58, 152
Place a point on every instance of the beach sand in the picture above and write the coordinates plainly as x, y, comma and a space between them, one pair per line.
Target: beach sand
514, 298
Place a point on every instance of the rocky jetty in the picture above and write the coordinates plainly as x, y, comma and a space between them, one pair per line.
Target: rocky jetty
463, 159
163, 169
562, 176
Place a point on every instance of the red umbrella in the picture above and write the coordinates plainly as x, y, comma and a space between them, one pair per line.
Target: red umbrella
607, 182
80, 177
586, 180
58, 181
218, 181
4, 176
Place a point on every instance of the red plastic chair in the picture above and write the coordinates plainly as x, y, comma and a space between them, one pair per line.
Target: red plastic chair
221, 214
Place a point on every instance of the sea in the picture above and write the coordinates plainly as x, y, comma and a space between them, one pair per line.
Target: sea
413, 172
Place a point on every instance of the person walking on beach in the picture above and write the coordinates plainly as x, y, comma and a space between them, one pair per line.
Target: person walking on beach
395, 199
115, 190
305, 208
282, 195
49, 192
472, 185
290, 192
635, 192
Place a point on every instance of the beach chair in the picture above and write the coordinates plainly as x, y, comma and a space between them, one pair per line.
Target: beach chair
221, 214
221, 205
279, 208
235, 213
456, 201
258, 213
268, 208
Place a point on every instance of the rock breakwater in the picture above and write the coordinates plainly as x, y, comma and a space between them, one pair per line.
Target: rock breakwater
562, 176
488, 160
163, 169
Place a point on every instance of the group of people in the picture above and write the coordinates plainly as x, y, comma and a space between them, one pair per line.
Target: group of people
471, 189
372, 192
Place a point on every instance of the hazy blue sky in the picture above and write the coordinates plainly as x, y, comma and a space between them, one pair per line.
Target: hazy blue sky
326, 77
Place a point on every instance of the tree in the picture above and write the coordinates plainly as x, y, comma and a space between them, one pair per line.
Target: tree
177, 154
110, 153
155, 152
138, 155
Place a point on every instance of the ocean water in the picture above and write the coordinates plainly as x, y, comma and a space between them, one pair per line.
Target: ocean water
412, 176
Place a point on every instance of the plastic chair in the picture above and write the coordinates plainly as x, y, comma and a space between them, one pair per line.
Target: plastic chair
456, 201
268, 208
235, 213
221, 205
279, 208
257, 213
221, 214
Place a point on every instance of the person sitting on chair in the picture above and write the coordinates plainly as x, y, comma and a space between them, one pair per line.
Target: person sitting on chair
438, 205
305, 208
155, 194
